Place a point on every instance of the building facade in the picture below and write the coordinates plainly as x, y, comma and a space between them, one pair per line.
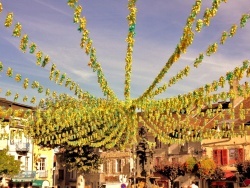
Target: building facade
20, 147
116, 168
43, 165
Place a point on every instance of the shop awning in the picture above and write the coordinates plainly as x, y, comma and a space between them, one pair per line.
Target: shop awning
22, 180
40, 183
229, 174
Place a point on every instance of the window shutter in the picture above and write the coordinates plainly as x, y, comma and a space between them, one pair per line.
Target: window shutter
108, 167
217, 156
240, 154
123, 163
224, 156
113, 166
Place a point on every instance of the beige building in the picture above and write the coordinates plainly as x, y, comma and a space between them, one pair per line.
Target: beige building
21, 147
43, 165
116, 168
62, 177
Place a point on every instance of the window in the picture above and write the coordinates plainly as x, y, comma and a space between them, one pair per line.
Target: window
61, 174
12, 137
236, 155
231, 156
220, 156
118, 165
19, 158
41, 164
73, 175
112, 166
106, 167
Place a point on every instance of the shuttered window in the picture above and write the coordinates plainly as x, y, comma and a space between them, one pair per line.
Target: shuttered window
123, 162
217, 156
240, 154
224, 157
220, 156
118, 165
106, 167
236, 155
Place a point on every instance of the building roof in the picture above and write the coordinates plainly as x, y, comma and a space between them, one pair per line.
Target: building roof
6, 104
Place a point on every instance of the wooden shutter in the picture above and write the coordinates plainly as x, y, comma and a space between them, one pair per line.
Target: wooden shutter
113, 166
108, 167
123, 164
240, 155
217, 156
224, 156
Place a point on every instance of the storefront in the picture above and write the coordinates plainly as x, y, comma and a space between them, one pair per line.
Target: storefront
40, 184
229, 180
17, 183
224, 184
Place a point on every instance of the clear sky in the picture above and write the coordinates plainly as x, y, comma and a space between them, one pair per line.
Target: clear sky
49, 23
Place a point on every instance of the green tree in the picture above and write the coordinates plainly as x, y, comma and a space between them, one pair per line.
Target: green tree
8, 165
171, 171
190, 164
80, 158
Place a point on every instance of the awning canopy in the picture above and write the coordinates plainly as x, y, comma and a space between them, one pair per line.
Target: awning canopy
22, 180
40, 183
229, 173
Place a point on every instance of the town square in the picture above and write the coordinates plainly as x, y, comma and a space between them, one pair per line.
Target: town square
124, 94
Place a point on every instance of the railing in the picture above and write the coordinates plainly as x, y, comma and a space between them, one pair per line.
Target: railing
42, 174
23, 147
25, 174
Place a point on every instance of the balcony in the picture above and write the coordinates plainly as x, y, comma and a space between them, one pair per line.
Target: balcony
25, 176
42, 174
22, 147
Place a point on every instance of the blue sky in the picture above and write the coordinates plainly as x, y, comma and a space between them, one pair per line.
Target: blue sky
159, 26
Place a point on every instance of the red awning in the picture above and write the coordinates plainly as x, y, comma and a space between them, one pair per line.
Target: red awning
229, 174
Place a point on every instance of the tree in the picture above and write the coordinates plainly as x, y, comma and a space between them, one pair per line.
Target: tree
8, 165
205, 168
171, 171
81, 158
190, 164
